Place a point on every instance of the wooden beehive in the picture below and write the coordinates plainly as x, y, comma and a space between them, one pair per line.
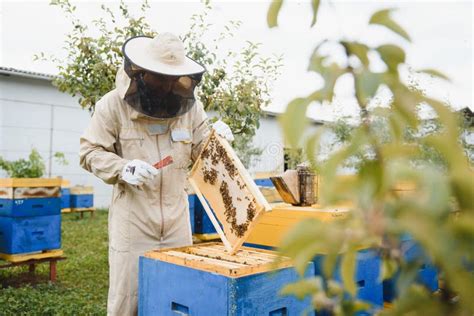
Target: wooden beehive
21, 188
213, 257
221, 181
205, 279
273, 226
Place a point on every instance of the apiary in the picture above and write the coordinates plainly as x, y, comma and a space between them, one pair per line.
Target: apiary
220, 278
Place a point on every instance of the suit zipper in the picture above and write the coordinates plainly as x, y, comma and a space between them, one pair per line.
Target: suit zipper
161, 190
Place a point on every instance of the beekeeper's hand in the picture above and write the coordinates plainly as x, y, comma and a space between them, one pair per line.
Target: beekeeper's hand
137, 172
223, 130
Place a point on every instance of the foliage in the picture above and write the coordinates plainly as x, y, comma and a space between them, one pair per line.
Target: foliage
439, 214
236, 87
249, 155
33, 167
379, 125
82, 283
92, 60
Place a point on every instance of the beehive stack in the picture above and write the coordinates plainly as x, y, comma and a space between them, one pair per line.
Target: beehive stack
30, 215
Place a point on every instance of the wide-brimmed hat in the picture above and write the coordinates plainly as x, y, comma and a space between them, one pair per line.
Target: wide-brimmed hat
163, 54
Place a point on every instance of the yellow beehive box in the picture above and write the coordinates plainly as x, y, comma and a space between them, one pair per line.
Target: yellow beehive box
272, 226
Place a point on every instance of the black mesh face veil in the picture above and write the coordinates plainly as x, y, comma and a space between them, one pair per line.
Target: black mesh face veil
172, 98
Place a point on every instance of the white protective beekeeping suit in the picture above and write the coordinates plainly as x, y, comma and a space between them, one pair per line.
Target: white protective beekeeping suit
154, 214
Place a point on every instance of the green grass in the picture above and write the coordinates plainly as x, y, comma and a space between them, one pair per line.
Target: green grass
82, 279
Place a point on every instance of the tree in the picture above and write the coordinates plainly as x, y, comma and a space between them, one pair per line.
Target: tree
379, 119
236, 86
33, 167
440, 214
92, 60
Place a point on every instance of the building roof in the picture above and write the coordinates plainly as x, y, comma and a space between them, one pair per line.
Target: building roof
9, 71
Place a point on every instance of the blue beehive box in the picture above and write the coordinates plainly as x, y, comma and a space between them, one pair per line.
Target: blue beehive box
202, 222
30, 207
264, 182
29, 234
82, 196
427, 274
82, 200
65, 198
204, 280
370, 288
191, 201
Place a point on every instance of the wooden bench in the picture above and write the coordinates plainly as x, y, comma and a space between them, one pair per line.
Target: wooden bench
31, 260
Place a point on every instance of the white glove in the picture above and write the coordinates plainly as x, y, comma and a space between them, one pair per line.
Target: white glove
223, 130
137, 172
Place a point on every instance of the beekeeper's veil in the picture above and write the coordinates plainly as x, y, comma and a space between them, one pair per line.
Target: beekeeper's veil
162, 77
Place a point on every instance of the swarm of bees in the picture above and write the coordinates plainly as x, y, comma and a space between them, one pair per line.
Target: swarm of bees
215, 153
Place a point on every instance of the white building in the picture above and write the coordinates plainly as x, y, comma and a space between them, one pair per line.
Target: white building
34, 114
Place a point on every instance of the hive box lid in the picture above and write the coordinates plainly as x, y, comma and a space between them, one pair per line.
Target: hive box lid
82, 189
220, 181
213, 257
30, 182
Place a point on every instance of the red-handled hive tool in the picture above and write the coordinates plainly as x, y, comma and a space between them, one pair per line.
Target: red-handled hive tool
164, 162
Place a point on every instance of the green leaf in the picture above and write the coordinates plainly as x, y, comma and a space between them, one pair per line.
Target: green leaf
407, 276
330, 166
294, 121
389, 267
357, 49
316, 61
392, 55
366, 85
303, 287
396, 127
434, 73
416, 301
315, 6
330, 75
371, 180
383, 18
312, 148
272, 14
360, 306
348, 266
404, 104
334, 288
302, 243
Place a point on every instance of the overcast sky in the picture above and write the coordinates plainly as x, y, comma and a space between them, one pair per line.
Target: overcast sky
441, 32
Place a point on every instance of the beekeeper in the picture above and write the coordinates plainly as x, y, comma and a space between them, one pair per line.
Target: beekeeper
151, 114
